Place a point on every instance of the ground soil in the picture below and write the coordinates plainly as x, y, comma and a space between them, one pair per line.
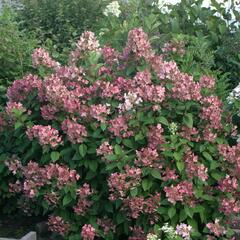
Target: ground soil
17, 226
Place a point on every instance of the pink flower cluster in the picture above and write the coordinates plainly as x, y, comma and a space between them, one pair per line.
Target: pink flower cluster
87, 42
14, 164
99, 112
179, 192
138, 205
119, 127
41, 57
110, 55
228, 184
155, 136
104, 150
88, 232
148, 157
56, 224
137, 234
15, 187
11, 106
139, 44
193, 168
83, 203
184, 88
48, 112
146, 90
107, 225
207, 82
231, 155
216, 228
212, 111
169, 174
46, 135
230, 206
55, 90
20, 89
75, 131
190, 134
35, 177
120, 183
208, 134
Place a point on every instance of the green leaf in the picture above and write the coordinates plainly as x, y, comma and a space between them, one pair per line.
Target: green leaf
128, 143
188, 120
201, 210
177, 155
180, 166
162, 210
214, 165
146, 184
117, 149
156, 229
222, 28
207, 156
139, 137
55, 156
120, 218
162, 120
67, 199
83, 150
216, 175
188, 211
193, 223
74, 237
93, 165
2, 167
133, 192
156, 174
103, 126
17, 125
171, 212
182, 215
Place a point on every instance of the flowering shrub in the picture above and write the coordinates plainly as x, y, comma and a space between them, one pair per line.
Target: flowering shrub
118, 142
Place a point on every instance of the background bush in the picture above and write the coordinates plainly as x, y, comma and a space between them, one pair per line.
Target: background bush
61, 21
15, 51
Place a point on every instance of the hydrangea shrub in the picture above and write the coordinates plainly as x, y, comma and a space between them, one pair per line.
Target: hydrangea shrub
116, 144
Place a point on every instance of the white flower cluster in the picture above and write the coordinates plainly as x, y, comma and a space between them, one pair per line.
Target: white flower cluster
234, 95
131, 99
151, 236
161, 5
169, 231
113, 9
173, 127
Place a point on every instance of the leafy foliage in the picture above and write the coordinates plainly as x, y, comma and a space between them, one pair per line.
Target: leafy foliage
61, 20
